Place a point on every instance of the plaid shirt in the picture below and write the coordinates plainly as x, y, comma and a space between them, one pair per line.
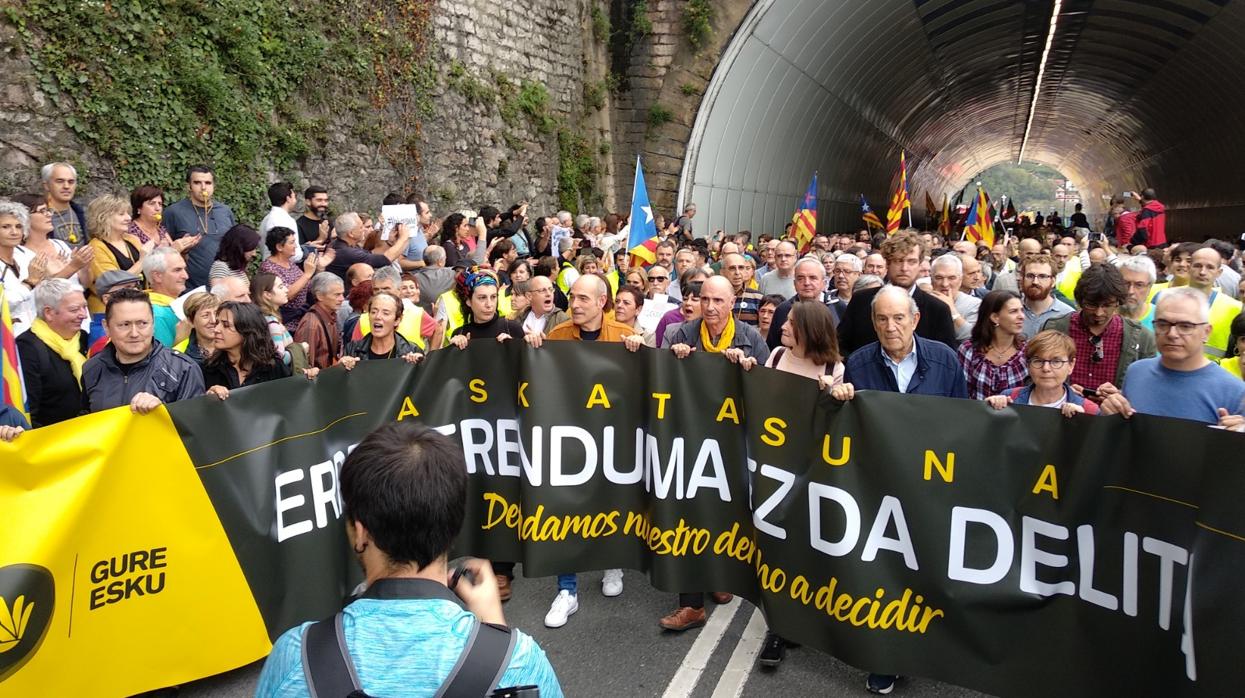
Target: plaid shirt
1096, 356
985, 378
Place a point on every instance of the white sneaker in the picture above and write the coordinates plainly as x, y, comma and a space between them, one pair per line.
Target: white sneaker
611, 583
564, 604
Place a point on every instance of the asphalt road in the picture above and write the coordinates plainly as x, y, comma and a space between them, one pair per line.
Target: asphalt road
614, 647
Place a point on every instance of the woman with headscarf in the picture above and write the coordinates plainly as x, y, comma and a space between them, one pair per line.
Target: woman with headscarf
477, 291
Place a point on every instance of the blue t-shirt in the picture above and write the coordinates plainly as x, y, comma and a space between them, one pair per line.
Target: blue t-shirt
1153, 389
416, 245
403, 647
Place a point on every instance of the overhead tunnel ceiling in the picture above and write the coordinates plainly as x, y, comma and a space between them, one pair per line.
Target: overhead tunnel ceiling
1133, 94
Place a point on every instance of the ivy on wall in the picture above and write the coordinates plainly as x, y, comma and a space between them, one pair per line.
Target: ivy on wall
156, 85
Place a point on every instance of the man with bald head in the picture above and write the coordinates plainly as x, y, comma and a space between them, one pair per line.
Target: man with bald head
747, 301
781, 281
1006, 280
875, 264
810, 284
900, 361
587, 324
715, 332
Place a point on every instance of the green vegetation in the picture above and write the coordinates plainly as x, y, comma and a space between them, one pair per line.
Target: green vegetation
659, 115
473, 89
689, 90
594, 95
600, 24
641, 25
156, 85
577, 172
698, 22
1030, 186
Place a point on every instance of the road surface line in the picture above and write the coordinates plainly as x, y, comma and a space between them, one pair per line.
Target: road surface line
697, 658
739, 666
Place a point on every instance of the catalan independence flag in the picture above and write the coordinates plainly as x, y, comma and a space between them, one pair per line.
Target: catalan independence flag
900, 200
12, 387
804, 222
868, 216
944, 224
979, 225
642, 240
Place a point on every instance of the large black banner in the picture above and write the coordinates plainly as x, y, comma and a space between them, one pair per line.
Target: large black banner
1016, 552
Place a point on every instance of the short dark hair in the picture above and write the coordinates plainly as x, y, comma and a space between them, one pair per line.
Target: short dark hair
773, 299
407, 484
501, 249
142, 195
1099, 284
279, 192
199, 169
393, 198
1223, 247
126, 295
488, 213
276, 237
312, 190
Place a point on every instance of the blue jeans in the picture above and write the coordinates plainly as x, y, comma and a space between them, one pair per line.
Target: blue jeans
568, 582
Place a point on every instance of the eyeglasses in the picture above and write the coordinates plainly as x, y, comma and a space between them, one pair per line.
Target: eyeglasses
1049, 363
1183, 329
1089, 305
1096, 341
1038, 277
659, 278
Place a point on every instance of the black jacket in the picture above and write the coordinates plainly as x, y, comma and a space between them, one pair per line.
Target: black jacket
220, 372
52, 391
165, 373
361, 347
856, 329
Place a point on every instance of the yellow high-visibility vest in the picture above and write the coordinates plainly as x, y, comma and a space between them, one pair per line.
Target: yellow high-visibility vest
408, 327
454, 310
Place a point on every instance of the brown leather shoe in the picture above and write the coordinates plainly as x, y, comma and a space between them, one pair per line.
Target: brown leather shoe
684, 618
503, 587
721, 597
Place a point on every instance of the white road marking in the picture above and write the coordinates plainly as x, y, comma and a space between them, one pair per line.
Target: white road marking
685, 679
739, 667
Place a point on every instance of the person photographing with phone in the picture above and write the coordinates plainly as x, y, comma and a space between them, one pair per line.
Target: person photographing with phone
420, 628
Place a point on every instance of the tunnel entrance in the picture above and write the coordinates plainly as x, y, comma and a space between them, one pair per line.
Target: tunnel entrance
1117, 95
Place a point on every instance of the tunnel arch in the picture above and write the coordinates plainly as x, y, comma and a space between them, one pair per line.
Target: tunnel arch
1133, 94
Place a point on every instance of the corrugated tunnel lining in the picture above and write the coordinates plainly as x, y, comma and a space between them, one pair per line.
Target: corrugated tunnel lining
1134, 94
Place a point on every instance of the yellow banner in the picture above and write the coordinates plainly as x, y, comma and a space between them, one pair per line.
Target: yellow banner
111, 555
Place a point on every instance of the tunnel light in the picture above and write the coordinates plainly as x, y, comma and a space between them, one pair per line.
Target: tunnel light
1037, 86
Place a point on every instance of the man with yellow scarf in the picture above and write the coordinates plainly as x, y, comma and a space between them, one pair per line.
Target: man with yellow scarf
53, 352
715, 332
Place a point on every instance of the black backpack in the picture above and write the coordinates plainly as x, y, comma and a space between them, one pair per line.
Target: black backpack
330, 672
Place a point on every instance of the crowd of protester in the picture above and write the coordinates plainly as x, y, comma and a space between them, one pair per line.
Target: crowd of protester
137, 303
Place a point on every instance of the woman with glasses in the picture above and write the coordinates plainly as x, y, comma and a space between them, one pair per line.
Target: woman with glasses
1051, 356
993, 356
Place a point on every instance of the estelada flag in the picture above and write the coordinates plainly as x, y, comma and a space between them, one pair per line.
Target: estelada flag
642, 240
979, 226
804, 222
12, 385
868, 216
900, 200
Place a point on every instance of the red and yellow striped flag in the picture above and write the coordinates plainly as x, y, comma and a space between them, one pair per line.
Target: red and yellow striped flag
900, 200
12, 386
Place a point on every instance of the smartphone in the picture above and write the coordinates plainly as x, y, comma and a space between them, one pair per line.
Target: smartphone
1089, 392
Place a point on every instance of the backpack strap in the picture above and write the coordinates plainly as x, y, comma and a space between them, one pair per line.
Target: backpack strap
480, 666
327, 666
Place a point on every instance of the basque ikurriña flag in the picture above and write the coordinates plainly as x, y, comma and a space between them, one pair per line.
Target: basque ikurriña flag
642, 240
